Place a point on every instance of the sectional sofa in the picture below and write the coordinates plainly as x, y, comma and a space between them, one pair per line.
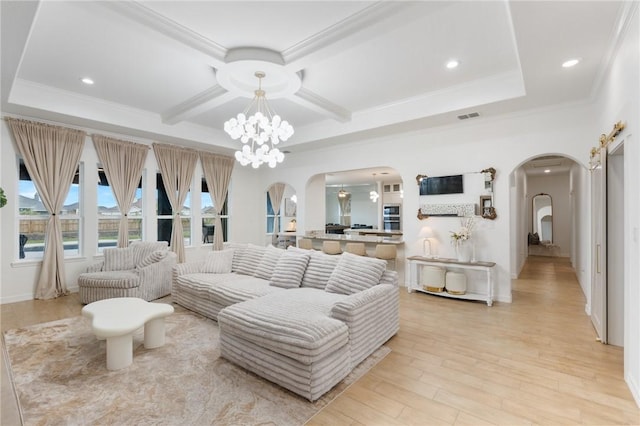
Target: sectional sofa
299, 318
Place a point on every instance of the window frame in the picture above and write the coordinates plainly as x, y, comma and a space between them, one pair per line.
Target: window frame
77, 216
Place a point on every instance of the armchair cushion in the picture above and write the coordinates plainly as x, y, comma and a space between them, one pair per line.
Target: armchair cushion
152, 258
118, 259
218, 262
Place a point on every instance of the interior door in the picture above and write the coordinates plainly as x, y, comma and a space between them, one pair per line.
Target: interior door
599, 247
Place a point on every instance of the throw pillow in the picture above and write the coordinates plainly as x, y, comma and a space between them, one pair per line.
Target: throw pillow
118, 259
319, 270
355, 273
239, 249
218, 262
268, 262
250, 259
289, 270
153, 257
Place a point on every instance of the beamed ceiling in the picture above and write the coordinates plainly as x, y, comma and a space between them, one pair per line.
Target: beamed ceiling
175, 71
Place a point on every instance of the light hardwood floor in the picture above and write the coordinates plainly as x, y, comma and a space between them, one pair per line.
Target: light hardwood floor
534, 361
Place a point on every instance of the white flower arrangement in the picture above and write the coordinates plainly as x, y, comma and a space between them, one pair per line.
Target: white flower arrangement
465, 231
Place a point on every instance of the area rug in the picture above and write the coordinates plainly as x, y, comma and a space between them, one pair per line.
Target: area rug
60, 378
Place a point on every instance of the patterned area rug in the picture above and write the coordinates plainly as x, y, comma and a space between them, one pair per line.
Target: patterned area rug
60, 377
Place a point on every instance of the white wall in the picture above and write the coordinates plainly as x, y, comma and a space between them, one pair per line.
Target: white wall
618, 99
503, 143
557, 186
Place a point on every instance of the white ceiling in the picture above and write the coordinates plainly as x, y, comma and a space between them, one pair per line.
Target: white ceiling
177, 70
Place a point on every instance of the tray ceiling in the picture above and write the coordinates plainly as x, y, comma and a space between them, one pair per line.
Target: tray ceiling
176, 70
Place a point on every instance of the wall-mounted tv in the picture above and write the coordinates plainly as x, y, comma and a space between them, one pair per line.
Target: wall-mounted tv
441, 185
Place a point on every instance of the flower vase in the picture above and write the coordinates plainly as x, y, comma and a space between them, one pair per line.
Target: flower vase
463, 251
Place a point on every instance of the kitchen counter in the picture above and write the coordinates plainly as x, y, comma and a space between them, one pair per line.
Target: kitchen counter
373, 239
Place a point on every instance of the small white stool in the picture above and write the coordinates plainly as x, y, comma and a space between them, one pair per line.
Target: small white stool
117, 319
432, 278
456, 282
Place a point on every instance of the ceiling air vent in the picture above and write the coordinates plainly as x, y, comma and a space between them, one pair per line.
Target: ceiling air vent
470, 115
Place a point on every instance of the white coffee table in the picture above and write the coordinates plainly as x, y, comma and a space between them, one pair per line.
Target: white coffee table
117, 319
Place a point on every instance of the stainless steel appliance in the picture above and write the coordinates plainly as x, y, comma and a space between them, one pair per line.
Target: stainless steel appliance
391, 217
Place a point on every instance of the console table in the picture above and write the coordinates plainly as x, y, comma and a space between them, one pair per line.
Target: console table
413, 283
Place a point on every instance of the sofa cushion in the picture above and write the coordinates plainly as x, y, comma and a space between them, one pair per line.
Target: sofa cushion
225, 289
319, 269
268, 262
250, 259
118, 259
295, 323
239, 249
153, 257
218, 262
355, 273
289, 270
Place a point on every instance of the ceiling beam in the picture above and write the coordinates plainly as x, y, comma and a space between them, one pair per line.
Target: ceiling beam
200, 103
361, 27
310, 100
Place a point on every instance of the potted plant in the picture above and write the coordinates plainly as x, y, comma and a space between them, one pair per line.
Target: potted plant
3, 198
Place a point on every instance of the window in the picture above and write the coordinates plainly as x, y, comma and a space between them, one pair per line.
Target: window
33, 217
270, 216
109, 215
165, 214
208, 214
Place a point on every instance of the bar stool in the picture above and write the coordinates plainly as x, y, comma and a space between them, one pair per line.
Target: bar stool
331, 247
356, 248
305, 243
387, 252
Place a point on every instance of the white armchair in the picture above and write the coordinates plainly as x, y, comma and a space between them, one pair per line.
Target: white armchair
144, 270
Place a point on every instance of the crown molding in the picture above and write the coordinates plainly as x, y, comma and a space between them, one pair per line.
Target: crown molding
167, 27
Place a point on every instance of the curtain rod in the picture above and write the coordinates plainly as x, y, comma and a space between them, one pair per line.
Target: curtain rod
55, 123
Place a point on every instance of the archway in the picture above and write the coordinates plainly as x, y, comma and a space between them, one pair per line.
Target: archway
565, 180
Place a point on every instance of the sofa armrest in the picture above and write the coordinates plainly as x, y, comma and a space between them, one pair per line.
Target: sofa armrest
187, 268
96, 266
372, 316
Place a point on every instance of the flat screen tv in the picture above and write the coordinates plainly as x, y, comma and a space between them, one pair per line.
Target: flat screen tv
441, 185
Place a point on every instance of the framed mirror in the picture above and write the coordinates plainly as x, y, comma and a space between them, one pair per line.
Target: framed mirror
542, 214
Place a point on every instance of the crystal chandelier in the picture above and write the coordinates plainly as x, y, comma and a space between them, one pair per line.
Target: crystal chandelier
260, 132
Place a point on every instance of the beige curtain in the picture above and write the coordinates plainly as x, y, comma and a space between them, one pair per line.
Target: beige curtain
51, 155
217, 171
276, 192
345, 207
123, 163
176, 166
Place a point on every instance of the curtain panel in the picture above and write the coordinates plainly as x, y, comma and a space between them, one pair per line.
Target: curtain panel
176, 167
276, 192
51, 155
123, 162
217, 172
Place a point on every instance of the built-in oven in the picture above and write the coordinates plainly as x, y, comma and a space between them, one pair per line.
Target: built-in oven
391, 217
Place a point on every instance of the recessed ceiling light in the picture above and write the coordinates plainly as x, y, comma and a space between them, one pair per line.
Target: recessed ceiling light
452, 64
547, 171
87, 80
570, 63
